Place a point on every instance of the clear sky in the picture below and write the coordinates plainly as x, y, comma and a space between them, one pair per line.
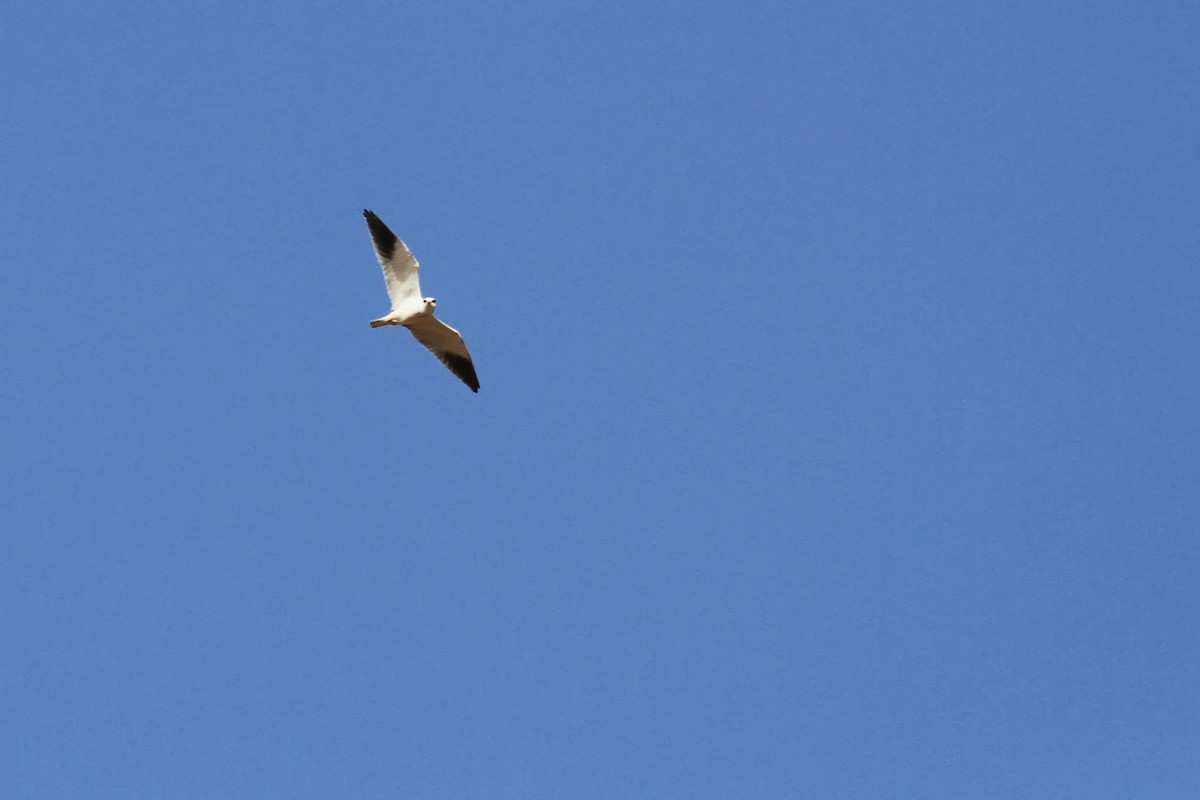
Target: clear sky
838, 431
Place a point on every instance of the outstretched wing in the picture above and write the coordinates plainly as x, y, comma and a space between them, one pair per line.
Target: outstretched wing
448, 345
399, 266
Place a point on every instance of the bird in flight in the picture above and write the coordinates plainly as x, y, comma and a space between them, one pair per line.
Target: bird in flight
413, 311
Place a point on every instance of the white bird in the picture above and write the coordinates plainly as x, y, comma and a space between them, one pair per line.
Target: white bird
413, 311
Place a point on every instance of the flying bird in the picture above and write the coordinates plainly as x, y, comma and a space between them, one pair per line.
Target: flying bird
412, 310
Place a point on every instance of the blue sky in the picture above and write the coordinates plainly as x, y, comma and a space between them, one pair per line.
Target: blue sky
837, 434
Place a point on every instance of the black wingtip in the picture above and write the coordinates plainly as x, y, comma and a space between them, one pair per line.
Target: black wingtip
463, 368
385, 240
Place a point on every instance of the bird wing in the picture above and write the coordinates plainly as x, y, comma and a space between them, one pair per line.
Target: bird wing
448, 345
399, 266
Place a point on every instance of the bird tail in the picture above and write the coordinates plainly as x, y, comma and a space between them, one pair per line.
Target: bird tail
376, 323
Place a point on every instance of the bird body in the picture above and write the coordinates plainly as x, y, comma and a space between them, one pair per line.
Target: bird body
410, 309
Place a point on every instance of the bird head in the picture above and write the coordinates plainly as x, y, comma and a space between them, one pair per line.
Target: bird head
430, 304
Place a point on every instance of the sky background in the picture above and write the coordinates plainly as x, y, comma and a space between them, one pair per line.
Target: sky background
838, 430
